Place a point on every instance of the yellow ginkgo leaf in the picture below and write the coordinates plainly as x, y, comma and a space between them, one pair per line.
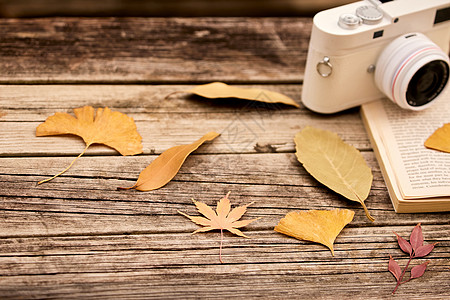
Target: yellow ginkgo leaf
107, 127
216, 90
320, 226
440, 139
335, 164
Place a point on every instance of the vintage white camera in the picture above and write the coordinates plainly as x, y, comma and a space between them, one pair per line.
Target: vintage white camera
371, 49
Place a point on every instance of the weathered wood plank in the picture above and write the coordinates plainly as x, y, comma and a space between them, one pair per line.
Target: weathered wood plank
159, 8
85, 199
246, 127
241, 281
100, 255
152, 50
268, 262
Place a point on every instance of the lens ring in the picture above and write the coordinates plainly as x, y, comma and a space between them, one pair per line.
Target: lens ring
399, 62
427, 83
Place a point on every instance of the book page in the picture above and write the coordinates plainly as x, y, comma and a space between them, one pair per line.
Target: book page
419, 172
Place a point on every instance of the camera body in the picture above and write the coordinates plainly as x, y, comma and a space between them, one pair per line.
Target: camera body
372, 49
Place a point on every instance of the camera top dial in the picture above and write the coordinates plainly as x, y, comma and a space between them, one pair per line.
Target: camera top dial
370, 15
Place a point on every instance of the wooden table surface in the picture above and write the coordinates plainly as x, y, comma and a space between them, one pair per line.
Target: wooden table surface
78, 237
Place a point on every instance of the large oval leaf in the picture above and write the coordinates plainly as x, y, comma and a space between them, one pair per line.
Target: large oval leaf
335, 164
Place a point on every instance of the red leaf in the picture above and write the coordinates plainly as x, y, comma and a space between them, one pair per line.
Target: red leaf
418, 271
394, 268
404, 245
424, 250
416, 238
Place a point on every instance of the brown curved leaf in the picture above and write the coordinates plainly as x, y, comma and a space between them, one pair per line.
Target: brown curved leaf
217, 90
335, 164
167, 165
320, 226
106, 127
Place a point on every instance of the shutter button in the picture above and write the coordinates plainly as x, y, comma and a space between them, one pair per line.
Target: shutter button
349, 21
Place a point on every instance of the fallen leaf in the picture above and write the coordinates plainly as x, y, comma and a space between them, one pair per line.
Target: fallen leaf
167, 165
418, 271
335, 164
107, 127
217, 90
414, 248
440, 139
404, 244
221, 219
424, 250
394, 268
320, 226
416, 237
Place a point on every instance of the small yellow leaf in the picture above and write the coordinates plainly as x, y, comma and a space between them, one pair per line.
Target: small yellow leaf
167, 165
217, 90
320, 226
221, 219
335, 164
107, 127
440, 139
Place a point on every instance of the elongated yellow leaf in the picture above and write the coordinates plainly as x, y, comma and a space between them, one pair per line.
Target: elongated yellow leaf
217, 90
320, 226
440, 139
167, 165
335, 164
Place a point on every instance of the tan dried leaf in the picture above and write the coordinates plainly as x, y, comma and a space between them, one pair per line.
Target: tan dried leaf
335, 164
320, 226
107, 127
221, 219
440, 139
167, 165
216, 90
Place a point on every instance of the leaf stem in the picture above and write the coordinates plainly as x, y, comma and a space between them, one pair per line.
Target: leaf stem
367, 212
63, 171
220, 248
173, 93
399, 281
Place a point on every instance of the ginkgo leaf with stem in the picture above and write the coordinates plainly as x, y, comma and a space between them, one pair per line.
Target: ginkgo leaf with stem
107, 127
223, 218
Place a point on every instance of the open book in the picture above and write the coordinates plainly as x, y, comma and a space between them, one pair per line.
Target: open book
417, 178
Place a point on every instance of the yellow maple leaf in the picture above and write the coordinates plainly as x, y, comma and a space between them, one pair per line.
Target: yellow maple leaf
111, 128
221, 219
320, 226
440, 139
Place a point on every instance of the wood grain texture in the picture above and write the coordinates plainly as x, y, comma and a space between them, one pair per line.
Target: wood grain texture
78, 237
74, 50
166, 8
246, 127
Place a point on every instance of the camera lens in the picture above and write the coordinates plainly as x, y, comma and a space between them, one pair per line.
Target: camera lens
412, 71
427, 83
